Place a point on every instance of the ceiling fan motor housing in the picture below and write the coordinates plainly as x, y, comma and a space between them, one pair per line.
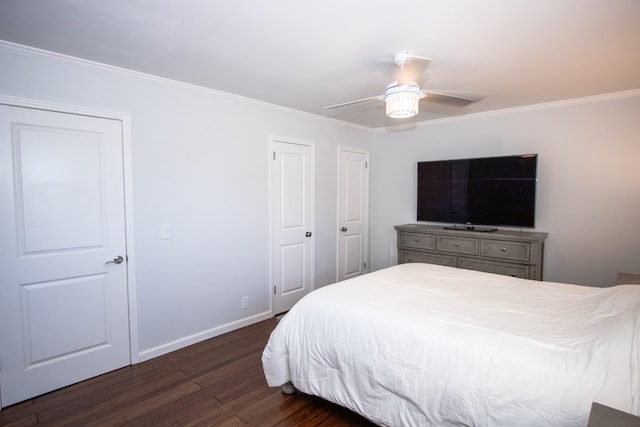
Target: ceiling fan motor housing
402, 100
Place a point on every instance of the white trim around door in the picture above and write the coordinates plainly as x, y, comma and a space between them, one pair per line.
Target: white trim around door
352, 235
291, 221
125, 120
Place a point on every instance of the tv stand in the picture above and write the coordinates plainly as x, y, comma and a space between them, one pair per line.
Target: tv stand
512, 253
470, 227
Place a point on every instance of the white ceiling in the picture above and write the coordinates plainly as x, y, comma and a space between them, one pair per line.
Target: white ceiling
305, 55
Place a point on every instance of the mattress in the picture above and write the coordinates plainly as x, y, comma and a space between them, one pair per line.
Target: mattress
421, 344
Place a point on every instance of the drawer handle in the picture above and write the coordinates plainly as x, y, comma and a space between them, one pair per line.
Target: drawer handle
410, 260
504, 249
417, 240
513, 274
456, 244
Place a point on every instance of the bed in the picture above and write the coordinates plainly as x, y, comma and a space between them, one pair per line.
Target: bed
427, 345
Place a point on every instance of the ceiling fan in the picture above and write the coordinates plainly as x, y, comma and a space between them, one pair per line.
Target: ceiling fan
403, 95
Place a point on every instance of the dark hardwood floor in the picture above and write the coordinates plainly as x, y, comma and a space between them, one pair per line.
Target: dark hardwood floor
218, 382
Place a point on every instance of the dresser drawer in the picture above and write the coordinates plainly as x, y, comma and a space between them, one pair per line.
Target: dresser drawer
512, 251
408, 256
418, 241
513, 270
458, 245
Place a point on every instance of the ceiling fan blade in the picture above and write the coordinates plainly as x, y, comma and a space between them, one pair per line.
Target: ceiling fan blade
412, 69
357, 101
448, 99
422, 61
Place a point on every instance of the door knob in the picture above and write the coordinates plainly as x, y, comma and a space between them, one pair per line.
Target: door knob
116, 260
308, 234
343, 229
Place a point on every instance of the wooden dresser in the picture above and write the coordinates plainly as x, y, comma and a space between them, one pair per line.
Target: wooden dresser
604, 416
512, 253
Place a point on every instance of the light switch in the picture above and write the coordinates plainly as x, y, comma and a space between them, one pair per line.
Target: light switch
165, 231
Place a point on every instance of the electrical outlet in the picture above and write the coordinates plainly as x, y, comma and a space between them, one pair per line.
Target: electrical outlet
244, 302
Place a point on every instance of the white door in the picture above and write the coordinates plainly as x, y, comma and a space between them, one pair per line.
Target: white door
353, 211
63, 301
292, 222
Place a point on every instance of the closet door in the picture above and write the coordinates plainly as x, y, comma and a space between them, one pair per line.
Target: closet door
353, 212
292, 222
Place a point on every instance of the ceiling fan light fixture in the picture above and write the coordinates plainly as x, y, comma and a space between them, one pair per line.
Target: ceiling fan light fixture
402, 103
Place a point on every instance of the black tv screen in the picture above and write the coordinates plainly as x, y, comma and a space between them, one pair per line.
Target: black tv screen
480, 191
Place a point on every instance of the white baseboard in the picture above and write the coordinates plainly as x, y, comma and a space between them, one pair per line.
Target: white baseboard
201, 336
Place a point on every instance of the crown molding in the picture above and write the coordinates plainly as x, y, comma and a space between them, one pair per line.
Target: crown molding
29, 51
15, 48
534, 107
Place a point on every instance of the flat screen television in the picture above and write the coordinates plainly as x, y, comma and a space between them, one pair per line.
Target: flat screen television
489, 191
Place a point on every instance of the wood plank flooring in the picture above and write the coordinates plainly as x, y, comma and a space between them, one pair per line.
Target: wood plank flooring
218, 382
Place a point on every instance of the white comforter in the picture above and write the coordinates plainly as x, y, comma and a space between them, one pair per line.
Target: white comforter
425, 345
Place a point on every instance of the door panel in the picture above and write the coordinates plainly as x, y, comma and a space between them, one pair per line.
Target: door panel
353, 263
292, 223
292, 261
352, 213
40, 317
63, 308
292, 186
59, 198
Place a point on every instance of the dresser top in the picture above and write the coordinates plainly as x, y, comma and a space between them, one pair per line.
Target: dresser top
462, 232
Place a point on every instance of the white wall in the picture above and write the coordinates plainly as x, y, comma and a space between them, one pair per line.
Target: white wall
588, 195
200, 163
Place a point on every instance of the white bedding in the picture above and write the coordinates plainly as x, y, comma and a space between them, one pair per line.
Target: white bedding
426, 345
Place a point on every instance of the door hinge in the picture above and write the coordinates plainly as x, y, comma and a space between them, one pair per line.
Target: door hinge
274, 290
366, 165
365, 265
274, 155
